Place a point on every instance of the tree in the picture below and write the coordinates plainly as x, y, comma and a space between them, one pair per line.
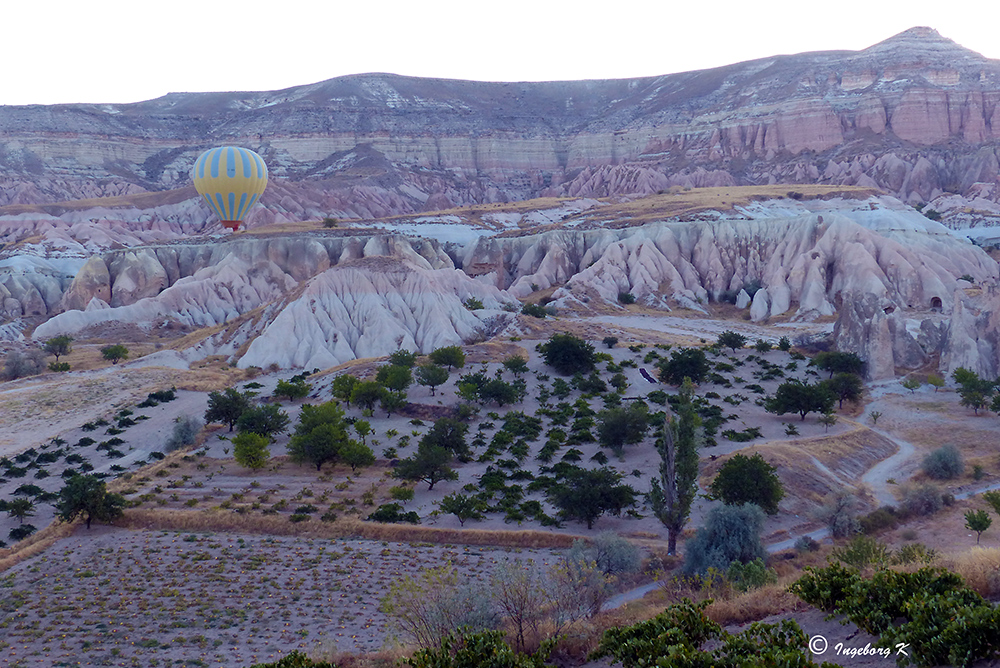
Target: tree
684, 363
449, 356
394, 378
392, 402
784, 344
745, 479
88, 495
589, 493
731, 533
762, 346
343, 387
20, 509
516, 364
430, 464
462, 506
671, 496
250, 450
974, 392
115, 353
431, 375
450, 435
367, 393
993, 498
363, 428
944, 463
403, 358
845, 386
912, 384
837, 362
794, 396
502, 392
227, 407
356, 454
59, 345
828, 420
296, 389
568, 354
318, 446
267, 420
610, 341
978, 521
731, 339
935, 381
618, 426
20, 365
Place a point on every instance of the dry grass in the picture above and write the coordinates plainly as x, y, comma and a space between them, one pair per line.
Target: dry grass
979, 567
36, 543
221, 521
754, 605
146, 200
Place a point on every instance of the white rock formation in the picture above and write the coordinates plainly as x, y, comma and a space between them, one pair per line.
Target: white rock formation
373, 307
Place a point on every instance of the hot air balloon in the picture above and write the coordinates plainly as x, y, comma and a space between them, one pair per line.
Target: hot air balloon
231, 179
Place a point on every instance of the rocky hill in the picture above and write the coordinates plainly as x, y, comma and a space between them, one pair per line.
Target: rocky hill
915, 115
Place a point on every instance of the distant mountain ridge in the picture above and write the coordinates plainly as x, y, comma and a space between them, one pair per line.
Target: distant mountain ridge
916, 115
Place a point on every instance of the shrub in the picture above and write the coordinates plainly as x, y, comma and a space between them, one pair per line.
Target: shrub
393, 513
878, 520
534, 310
863, 552
610, 341
731, 533
945, 463
400, 493
185, 432
568, 354
20, 365
752, 575
626, 298
839, 514
609, 552
58, 366
925, 499
745, 479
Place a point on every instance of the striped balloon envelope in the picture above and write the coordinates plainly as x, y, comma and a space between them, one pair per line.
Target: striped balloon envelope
231, 179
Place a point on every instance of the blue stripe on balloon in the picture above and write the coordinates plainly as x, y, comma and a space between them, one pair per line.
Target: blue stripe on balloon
247, 162
253, 200
232, 207
230, 162
221, 208
212, 205
216, 154
242, 209
199, 167
261, 167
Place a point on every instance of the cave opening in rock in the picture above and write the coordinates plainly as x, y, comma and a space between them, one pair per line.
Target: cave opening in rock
935, 302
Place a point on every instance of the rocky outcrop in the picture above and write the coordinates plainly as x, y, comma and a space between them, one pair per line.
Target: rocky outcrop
373, 307
92, 281
871, 326
916, 115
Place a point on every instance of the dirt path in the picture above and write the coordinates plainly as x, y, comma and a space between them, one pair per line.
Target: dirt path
877, 476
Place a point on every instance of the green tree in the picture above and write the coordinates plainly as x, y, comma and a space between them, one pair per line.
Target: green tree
363, 428
392, 402
589, 493
59, 345
343, 387
516, 364
430, 464
395, 378
745, 479
684, 363
617, 427
450, 435
368, 393
974, 392
449, 356
762, 346
250, 450
356, 454
502, 392
568, 354
267, 420
837, 362
935, 381
828, 420
845, 386
319, 446
610, 341
912, 384
794, 396
20, 509
403, 358
296, 389
462, 506
115, 353
431, 375
88, 495
227, 407
731, 339
978, 521
672, 494
993, 498
784, 344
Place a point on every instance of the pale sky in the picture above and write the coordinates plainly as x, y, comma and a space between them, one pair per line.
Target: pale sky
130, 50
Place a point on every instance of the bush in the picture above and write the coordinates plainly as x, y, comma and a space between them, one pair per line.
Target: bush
610, 341
752, 575
184, 434
745, 479
839, 514
20, 365
611, 553
393, 513
400, 493
58, 366
945, 463
568, 354
731, 533
534, 310
863, 552
806, 544
925, 499
626, 298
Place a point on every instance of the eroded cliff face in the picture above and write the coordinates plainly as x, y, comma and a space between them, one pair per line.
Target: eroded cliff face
916, 115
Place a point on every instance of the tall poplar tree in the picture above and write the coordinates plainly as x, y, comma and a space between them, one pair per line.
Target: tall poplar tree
671, 496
